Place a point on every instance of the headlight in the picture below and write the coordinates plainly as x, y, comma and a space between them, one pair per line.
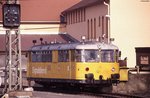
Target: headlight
87, 69
113, 69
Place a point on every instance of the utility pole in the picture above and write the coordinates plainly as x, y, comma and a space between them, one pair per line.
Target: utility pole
13, 69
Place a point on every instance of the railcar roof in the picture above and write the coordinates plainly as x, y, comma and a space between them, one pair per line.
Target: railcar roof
80, 45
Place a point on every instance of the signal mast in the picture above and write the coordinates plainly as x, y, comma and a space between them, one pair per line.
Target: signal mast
13, 69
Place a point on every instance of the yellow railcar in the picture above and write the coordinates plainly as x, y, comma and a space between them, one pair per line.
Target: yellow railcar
91, 64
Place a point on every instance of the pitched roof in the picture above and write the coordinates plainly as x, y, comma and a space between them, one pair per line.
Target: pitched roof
27, 40
42, 10
83, 3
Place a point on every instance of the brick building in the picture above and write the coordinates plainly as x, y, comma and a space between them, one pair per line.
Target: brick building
127, 21
89, 16
39, 19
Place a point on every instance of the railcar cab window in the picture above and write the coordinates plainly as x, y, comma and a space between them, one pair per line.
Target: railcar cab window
117, 55
41, 56
91, 56
87, 55
108, 56
63, 55
96, 55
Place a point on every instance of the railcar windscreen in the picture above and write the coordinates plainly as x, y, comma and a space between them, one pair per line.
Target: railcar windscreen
91, 56
107, 56
87, 55
96, 55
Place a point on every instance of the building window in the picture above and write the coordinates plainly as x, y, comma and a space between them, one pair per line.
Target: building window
69, 20
102, 25
76, 16
99, 24
91, 29
73, 16
79, 15
88, 29
107, 20
84, 16
94, 28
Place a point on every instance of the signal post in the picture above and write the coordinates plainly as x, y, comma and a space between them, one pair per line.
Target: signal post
11, 23
13, 69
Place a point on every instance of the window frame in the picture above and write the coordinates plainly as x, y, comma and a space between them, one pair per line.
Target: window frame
63, 55
41, 56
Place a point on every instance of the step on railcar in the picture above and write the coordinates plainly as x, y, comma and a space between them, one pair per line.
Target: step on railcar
88, 64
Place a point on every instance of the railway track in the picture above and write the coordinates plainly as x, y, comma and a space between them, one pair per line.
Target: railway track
75, 91
117, 95
87, 93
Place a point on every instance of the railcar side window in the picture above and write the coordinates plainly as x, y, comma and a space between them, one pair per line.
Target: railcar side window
108, 56
63, 55
33, 56
47, 56
72, 55
36, 56
41, 56
78, 55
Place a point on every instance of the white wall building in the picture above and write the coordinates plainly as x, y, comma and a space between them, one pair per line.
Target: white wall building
130, 26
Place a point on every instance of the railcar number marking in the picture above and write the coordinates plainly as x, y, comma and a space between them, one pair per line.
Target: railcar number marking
39, 70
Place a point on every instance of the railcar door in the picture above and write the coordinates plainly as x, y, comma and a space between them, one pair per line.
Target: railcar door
64, 64
72, 65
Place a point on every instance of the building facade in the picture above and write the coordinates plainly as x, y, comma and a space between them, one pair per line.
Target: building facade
39, 19
88, 18
127, 21
130, 23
